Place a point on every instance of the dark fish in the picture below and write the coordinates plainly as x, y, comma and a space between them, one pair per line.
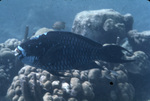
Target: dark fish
57, 50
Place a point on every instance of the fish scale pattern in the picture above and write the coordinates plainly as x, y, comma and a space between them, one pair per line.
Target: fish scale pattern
75, 51
69, 51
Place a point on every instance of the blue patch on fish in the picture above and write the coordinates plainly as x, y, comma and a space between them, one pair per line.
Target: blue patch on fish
57, 50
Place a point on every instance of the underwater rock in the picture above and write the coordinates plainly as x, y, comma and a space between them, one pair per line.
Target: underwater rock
76, 87
28, 70
10, 93
41, 31
59, 25
2, 45
47, 97
34, 84
9, 65
128, 20
76, 73
139, 41
113, 95
43, 79
126, 91
94, 75
6, 56
67, 78
56, 84
72, 99
47, 85
27, 87
140, 65
121, 76
103, 26
18, 90
56, 98
88, 90
46, 74
21, 98
15, 98
138, 74
58, 92
66, 87
11, 43
84, 75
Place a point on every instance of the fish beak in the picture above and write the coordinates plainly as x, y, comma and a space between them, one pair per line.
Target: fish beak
16, 52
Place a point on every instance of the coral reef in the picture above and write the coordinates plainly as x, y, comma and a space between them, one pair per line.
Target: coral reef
59, 25
141, 65
9, 65
34, 84
140, 68
41, 31
10, 43
139, 41
103, 25
107, 26
117, 82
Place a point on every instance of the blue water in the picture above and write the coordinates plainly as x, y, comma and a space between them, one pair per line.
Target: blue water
16, 14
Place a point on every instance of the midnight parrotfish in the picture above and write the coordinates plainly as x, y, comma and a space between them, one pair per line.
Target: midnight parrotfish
58, 51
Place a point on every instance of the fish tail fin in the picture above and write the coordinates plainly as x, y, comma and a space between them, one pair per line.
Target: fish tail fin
114, 54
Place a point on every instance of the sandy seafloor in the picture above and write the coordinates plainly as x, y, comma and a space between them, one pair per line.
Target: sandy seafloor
21, 82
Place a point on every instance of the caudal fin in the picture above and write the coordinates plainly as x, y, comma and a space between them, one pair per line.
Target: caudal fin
114, 54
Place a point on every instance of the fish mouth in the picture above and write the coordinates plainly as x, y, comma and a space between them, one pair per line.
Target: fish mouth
19, 52
16, 52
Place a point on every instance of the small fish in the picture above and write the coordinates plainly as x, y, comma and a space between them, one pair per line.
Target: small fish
59, 25
58, 51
